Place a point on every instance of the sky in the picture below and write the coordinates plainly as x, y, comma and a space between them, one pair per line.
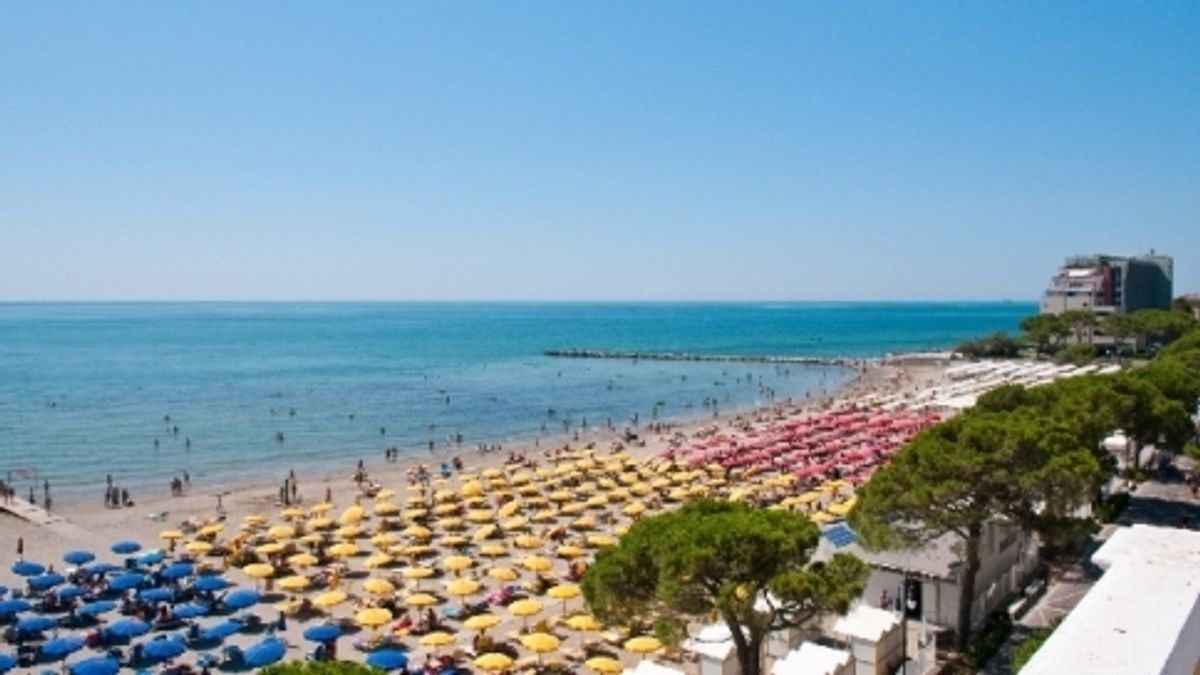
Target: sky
590, 151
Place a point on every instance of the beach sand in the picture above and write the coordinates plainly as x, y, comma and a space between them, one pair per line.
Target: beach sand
92, 526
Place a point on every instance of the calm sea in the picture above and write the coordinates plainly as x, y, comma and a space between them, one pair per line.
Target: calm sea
92, 389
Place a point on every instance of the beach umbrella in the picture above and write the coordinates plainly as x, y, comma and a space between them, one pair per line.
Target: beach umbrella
437, 639
373, 617
386, 509
642, 645
127, 628
525, 608
209, 531
241, 598
348, 531
255, 520
482, 622
323, 507
294, 583
324, 632
270, 549
456, 563
601, 540
124, 582
540, 643
462, 587
97, 608
377, 586
420, 600
493, 550
584, 623
564, 592
569, 551
265, 653
60, 647
177, 571
78, 557
377, 560
605, 665
292, 513
385, 539
13, 606
493, 662
43, 581
212, 583
170, 535
98, 568
151, 558
318, 524
97, 665
387, 659
329, 599
125, 547
258, 571
503, 574
156, 594
536, 563
221, 630
453, 541
7, 662
35, 624
343, 550
417, 573
385, 495
352, 515
303, 560
161, 649
69, 592
417, 532
190, 610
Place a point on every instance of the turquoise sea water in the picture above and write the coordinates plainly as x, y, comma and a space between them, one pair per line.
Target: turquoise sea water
85, 389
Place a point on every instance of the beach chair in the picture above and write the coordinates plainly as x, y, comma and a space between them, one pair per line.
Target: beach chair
233, 656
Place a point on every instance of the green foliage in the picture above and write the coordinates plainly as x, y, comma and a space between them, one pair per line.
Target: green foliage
1029, 646
988, 642
1045, 331
999, 345
721, 557
1112, 507
318, 668
1077, 354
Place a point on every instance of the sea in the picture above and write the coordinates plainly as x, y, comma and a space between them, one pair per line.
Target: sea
247, 391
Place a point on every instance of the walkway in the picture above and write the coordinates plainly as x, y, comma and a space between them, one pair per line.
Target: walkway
36, 515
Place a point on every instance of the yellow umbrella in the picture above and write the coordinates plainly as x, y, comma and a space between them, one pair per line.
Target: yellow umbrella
585, 523
493, 550
480, 516
525, 608
294, 583
311, 539
258, 571
417, 572
377, 560
493, 662
528, 541
270, 549
450, 524
320, 524
386, 509
303, 560
601, 540
564, 592
482, 622
420, 600
453, 541
471, 489
198, 547
821, 518
560, 496
642, 645
417, 532
373, 617
584, 623
544, 516
634, 509
540, 643
385, 495
210, 530
329, 599
605, 665
377, 586
352, 515
536, 563
462, 587
254, 520
444, 496
492, 473
384, 539
518, 523
348, 531
572, 509
414, 514
568, 551
437, 639
343, 550
324, 507
503, 574
456, 563
484, 532
509, 510
170, 535
292, 513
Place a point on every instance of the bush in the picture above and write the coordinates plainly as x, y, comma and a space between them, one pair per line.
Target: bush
999, 345
1030, 645
1112, 506
319, 668
988, 641
1079, 354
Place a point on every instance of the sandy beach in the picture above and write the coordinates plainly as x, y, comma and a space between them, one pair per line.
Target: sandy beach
91, 526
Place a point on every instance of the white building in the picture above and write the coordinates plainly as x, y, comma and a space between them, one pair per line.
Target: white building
1141, 618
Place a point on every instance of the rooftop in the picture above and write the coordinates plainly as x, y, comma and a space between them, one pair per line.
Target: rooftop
811, 659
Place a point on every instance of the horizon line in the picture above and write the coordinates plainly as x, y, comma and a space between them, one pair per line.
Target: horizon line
497, 301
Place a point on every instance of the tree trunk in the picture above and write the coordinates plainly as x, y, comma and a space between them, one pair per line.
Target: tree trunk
749, 649
966, 595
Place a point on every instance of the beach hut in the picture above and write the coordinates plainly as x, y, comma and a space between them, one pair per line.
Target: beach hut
714, 650
876, 644
815, 659
647, 667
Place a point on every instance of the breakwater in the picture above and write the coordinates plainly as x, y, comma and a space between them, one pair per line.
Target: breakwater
684, 356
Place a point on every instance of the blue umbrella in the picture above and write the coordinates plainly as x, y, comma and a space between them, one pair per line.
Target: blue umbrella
78, 557
101, 568
7, 662
126, 581
128, 628
59, 647
69, 592
265, 653
126, 547
43, 581
387, 659
156, 594
24, 568
322, 632
151, 558
161, 649
3, 590
35, 624
97, 608
13, 606
241, 598
221, 630
97, 665
176, 571
190, 610
210, 584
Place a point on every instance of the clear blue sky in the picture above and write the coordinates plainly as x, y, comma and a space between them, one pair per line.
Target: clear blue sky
605, 150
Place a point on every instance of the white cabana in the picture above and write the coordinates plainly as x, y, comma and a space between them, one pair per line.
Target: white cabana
875, 640
814, 659
648, 667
